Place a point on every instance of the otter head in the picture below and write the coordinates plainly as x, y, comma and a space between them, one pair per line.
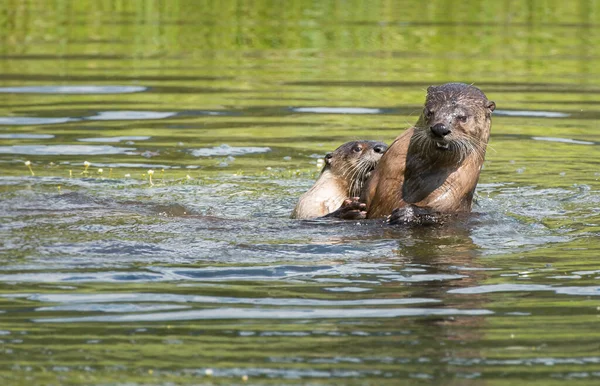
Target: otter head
455, 122
353, 162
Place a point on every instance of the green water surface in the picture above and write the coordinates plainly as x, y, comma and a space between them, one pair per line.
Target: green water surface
194, 274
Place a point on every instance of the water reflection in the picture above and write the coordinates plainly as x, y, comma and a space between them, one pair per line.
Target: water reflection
129, 115
226, 150
65, 150
72, 89
27, 121
116, 139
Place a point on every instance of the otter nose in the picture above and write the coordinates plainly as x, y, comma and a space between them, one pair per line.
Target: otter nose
379, 149
439, 130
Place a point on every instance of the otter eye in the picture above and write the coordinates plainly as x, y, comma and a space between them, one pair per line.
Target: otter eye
328, 156
428, 113
462, 118
357, 149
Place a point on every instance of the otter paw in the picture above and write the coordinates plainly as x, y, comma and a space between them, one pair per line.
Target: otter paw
351, 209
413, 215
405, 215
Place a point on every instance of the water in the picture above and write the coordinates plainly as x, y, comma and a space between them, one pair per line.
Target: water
198, 276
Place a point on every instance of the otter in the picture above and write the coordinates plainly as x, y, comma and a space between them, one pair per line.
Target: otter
434, 165
344, 175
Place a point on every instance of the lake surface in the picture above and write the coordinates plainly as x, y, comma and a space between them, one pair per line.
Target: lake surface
196, 275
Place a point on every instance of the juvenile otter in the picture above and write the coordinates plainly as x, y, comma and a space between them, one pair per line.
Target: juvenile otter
344, 175
434, 165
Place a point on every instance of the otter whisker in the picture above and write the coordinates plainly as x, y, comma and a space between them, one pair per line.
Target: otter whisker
358, 178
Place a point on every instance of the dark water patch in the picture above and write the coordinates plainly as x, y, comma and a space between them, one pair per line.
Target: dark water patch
74, 277
59, 202
243, 273
348, 273
327, 248
121, 248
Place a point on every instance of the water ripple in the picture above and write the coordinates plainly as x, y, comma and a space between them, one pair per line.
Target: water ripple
73, 299
226, 150
24, 121
121, 308
54, 277
124, 115
116, 139
273, 314
73, 89
336, 110
563, 140
493, 288
64, 150
243, 273
26, 136
528, 113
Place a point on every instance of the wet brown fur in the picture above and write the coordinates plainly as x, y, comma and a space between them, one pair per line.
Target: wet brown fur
439, 174
344, 175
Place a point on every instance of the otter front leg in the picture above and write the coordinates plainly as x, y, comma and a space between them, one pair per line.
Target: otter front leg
351, 209
413, 215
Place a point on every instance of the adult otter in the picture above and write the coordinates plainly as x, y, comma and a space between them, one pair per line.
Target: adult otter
345, 172
434, 165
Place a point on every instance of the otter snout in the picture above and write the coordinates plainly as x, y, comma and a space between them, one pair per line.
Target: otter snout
379, 149
439, 130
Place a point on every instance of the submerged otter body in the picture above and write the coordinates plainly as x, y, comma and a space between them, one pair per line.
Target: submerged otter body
435, 164
344, 175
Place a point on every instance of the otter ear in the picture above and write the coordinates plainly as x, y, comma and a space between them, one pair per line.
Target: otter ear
491, 106
328, 157
431, 89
